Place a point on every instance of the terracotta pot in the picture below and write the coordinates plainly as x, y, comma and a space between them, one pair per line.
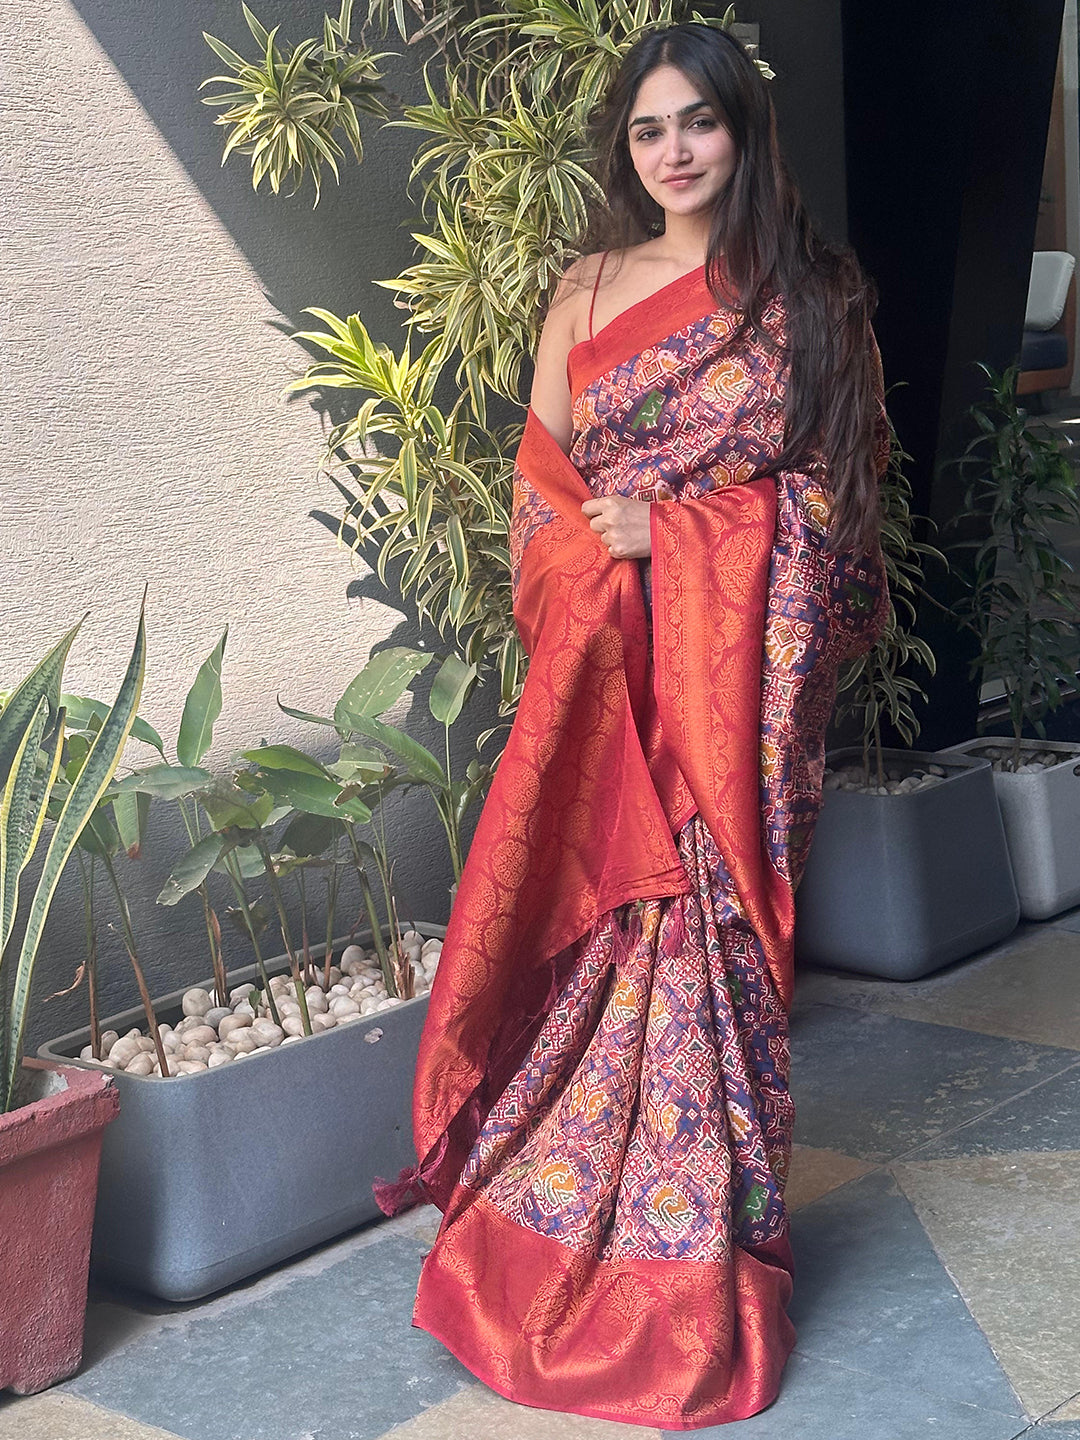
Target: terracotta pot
49, 1154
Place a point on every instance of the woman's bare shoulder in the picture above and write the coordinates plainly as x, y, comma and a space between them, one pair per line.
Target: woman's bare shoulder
591, 275
577, 280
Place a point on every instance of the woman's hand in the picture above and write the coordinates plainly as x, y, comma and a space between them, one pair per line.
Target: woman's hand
623, 526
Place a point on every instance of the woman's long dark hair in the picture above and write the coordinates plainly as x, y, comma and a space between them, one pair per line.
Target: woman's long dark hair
768, 246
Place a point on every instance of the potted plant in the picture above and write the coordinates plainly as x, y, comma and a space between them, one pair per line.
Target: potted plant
52, 1117
908, 870
287, 1150
1024, 607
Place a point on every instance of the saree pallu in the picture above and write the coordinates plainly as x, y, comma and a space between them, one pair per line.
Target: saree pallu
601, 1105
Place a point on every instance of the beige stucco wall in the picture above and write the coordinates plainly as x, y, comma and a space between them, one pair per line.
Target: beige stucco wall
146, 439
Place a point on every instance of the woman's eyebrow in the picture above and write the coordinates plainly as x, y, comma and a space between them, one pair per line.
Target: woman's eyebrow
655, 119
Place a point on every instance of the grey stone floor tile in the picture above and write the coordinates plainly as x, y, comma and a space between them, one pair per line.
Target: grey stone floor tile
1045, 1117
1025, 989
330, 1354
871, 1295
821, 1400
1006, 1228
876, 1086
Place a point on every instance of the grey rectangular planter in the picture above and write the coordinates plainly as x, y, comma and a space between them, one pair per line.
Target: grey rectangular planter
1042, 824
900, 885
207, 1178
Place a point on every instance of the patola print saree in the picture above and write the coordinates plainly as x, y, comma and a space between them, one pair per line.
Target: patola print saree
601, 1104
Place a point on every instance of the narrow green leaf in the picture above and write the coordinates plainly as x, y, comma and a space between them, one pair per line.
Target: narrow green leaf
80, 804
313, 794
284, 757
23, 806
130, 813
170, 782
381, 683
192, 869
422, 765
21, 704
201, 708
451, 688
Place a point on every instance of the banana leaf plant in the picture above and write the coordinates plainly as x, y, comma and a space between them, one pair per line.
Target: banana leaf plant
362, 776
224, 826
32, 730
357, 712
178, 782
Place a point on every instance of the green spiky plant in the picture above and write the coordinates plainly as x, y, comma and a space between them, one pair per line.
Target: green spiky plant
502, 170
1023, 602
294, 111
31, 746
878, 688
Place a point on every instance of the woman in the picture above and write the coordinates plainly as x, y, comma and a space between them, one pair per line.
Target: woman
601, 1104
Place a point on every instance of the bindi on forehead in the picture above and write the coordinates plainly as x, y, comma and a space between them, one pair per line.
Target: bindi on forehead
690, 109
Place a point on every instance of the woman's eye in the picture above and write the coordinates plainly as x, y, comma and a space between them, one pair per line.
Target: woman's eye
701, 122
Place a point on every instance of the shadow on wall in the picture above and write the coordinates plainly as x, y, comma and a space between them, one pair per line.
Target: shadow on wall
324, 256
299, 256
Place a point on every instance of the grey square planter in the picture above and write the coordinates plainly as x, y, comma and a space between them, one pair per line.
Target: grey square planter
900, 885
1042, 824
208, 1178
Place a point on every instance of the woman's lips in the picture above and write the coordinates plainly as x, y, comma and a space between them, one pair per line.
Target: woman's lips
679, 181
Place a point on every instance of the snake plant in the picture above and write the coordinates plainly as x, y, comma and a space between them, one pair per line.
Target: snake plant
31, 746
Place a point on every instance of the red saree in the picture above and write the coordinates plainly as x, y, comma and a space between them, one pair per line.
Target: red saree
601, 1105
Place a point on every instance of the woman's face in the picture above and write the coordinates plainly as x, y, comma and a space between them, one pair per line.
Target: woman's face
683, 154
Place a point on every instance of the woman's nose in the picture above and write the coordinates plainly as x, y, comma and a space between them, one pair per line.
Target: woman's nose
676, 147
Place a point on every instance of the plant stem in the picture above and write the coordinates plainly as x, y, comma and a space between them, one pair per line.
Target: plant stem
241, 899
213, 929
91, 952
376, 934
309, 973
450, 823
331, 907
213, 932
140, 978
275, 890
374, 923
403, 976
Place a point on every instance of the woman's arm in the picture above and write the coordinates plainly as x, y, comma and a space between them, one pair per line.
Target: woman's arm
563, 327
622, 525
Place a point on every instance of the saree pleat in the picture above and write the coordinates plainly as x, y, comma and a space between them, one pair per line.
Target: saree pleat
601, 1105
